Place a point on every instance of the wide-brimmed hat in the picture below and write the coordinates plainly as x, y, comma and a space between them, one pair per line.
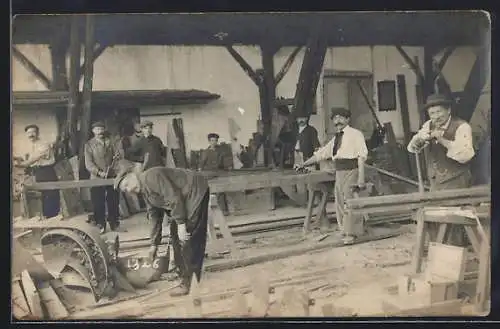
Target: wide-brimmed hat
125, 167
437, 99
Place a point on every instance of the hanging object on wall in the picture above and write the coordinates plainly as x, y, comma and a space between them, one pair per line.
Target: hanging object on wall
386, 90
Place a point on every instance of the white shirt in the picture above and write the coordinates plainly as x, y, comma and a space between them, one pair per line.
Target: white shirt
43, 150
461, 149
353, 146
297, 145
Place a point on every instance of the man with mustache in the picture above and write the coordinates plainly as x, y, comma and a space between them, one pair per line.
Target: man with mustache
348, 151
183, 196
39, 162
450, 149
101, 157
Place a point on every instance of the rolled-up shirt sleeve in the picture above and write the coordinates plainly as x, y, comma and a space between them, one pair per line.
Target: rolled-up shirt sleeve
461, 149
422, 134
325, 152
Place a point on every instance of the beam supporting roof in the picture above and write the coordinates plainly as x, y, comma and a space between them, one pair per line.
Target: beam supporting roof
441, 28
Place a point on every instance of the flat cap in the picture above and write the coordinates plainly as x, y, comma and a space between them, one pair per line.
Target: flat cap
125, 167
31, 126
98, 124
437, 99
340, 111
146, 123
213, 135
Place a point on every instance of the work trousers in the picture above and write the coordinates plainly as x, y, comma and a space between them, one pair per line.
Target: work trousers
349, 225
457, 233
105, 197
189, 255
50, 198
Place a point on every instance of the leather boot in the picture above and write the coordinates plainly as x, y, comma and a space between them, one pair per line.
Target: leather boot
182, 289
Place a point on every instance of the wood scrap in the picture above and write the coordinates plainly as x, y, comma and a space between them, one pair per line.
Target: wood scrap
447, 308
126, 310
20, 308
53, 305
32, 296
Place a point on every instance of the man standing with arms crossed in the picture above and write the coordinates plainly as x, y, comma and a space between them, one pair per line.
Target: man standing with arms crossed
348, 151
183, 196
450, 150
39, 162
101, 157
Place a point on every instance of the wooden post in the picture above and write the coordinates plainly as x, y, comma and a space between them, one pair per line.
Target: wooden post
74, 78
268, 95
88, 75
405, 115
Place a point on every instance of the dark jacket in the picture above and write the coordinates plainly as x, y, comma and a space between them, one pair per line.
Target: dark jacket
212, 159
308, 141
179, 191
151, 145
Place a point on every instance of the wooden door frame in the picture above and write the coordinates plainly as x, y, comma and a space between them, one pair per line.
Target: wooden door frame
347, 74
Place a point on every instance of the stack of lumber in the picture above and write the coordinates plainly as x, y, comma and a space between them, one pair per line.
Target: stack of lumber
33, 300
436, 290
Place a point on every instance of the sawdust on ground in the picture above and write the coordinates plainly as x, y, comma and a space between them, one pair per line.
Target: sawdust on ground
359, 277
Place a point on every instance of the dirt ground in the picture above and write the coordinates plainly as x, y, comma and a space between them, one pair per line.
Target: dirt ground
356, 276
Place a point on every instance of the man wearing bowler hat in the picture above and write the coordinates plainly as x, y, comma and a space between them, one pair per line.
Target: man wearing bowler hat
101, 158
449, 142
183, 196
149, 147
348, 151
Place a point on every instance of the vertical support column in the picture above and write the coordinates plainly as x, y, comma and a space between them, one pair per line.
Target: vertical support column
88, 75
267, 91
74, 78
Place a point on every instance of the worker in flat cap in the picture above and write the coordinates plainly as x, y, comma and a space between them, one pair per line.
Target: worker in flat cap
102, 154
149, 147
183, 196
212, 159
39, 161
449, 142
348, 151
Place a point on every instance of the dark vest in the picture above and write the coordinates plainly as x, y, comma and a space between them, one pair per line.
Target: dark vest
439, 167
308, 141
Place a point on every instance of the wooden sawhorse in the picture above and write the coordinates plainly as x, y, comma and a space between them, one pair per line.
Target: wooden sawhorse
216, 246
322, 190
477, 233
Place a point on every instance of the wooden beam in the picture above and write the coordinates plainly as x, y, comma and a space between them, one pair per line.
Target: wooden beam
87, 87
405, 118
98, 50
442, 62
31, 67
472, 88
286, 67
74, 77
310, 71
58, 61
413, 65
244, 65
268, 96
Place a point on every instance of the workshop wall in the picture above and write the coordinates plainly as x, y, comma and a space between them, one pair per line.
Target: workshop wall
213, 69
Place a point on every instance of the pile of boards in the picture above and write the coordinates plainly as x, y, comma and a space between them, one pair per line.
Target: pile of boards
32, 300
436, 290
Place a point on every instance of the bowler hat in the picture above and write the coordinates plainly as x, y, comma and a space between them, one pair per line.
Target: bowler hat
124, 167
340, 111
213, 135
98, 124
437, 99
146, 123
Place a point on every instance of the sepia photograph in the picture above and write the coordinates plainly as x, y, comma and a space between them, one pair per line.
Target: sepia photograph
250, 165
